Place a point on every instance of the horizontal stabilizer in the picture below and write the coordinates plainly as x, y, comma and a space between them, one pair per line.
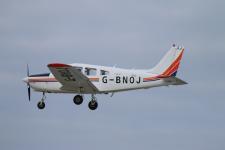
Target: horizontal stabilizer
174, 81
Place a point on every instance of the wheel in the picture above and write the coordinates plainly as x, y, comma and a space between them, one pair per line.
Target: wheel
41, 105
93, 105
78, 99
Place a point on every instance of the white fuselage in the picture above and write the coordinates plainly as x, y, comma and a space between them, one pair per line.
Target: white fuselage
106, 80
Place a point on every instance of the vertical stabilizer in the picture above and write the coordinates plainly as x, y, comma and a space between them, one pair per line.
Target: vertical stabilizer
169, 64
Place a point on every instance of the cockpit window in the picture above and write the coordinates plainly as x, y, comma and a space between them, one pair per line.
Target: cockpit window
90, 71
103, 72
79, 68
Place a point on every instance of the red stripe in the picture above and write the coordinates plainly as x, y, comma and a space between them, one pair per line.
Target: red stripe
172, 65
173, 69
54, 65
177, 61
44, 79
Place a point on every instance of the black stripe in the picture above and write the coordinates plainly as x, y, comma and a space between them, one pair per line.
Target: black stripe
40, 75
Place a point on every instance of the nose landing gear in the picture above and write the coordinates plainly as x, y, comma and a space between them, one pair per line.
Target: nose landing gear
93, 104
41, 104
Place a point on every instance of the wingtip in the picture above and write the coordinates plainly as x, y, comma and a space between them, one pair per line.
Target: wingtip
58, 65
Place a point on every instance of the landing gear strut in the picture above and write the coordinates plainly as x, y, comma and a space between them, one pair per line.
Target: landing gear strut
93, 104
41, 104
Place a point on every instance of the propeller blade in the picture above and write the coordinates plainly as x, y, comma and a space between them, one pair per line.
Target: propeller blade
28, 85
29, 92
28, 71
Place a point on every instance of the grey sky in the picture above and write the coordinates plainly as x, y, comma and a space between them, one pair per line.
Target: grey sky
130, 34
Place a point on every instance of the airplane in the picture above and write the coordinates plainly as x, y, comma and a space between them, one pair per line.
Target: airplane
93, 79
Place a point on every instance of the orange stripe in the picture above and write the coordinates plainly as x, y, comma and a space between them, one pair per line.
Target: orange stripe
173, 69
172, 65
94, 79
168, 70
150, 78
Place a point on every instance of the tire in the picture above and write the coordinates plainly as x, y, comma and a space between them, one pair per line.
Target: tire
78, 99
93, 105
41, 105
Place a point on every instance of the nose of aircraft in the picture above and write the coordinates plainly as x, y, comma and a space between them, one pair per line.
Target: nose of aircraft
25, 80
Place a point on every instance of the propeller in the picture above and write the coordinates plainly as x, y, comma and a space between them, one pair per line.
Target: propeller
28, 84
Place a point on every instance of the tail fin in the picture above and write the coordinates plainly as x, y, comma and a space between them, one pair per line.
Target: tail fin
169, 64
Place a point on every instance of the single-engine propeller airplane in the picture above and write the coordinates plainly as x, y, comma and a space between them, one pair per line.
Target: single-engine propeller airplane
93, 79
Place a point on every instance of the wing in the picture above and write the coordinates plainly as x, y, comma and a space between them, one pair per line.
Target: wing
174, 81
71, 78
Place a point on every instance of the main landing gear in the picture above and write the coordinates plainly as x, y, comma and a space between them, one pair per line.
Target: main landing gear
41, 104
78, 100
93, 104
